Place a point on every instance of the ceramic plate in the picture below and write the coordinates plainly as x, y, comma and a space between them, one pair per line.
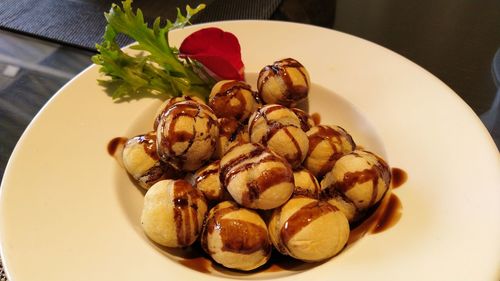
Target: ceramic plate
69, 212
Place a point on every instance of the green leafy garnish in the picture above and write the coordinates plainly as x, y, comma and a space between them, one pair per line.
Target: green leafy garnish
157, 70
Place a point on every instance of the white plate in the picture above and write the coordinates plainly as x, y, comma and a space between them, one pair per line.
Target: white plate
68, 212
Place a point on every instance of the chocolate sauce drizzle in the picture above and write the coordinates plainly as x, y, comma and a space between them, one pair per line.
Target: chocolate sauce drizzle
334, 139
307, 192
273, 127
185, 199
153, 175
262, 113
243, 237
359, 177
379, 170
267, 179
305, 119
232, 163
214, 192
221, 101
167, 106
238, 236
172, 136
293, 93
303, 217
210, 170
168, 136
149, 143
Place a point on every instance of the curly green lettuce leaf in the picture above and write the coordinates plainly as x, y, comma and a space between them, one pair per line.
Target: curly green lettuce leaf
157, 70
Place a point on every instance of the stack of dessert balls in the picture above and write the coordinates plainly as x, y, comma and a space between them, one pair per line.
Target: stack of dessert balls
248, 172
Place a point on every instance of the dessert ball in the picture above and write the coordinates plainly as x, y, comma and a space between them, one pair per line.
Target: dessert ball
308, 229
361, 176
168, 103
173, 213
285, 82
141, 161
231, 133
306, 121
256, 177
233, 99
326, 145
187, 134
236, 237
207, 181
306, 184
278, 128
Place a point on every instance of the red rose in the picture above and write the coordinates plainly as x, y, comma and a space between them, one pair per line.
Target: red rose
219, 51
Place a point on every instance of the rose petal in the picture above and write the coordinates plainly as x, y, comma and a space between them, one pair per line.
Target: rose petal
217, 50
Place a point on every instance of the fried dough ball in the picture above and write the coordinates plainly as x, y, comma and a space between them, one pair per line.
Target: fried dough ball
285, 82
